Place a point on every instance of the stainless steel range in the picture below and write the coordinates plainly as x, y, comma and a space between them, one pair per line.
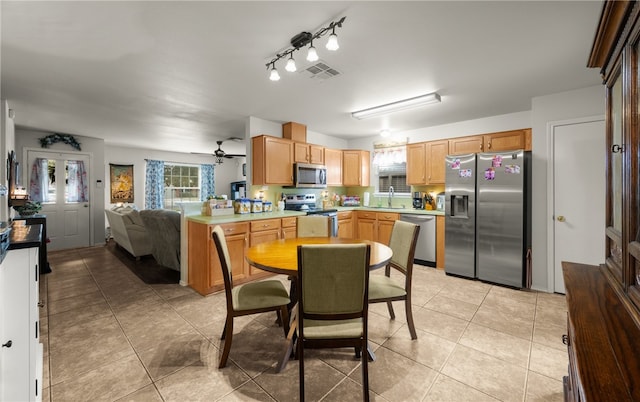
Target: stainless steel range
307, 203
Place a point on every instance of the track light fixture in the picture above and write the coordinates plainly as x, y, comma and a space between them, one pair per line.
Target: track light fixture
300, 40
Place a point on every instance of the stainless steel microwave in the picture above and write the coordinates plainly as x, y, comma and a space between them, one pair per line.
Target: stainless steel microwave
306, 175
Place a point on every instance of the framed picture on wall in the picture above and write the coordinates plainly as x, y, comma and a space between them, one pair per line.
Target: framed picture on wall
121, 179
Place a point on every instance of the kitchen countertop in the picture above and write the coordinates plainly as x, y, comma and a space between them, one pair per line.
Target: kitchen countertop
285, 214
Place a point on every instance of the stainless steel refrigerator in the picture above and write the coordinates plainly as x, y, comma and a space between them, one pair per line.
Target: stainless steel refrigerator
503, 217
488, 199
460, 215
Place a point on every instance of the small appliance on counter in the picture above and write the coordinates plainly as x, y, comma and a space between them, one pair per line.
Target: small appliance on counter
440, 201
418, 201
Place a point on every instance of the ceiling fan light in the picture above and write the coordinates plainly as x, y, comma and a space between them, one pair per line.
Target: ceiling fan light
291, 65
312, 55
274, 76
332, 43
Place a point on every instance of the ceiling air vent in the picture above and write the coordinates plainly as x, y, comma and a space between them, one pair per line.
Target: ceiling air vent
321, 71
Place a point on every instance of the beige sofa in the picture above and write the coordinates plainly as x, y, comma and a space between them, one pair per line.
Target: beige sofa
128, 231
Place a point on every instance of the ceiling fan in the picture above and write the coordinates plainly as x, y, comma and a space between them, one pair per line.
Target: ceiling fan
220, 154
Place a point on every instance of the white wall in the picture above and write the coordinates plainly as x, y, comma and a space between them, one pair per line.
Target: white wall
7, 144
95, 148
230, 170
584, 102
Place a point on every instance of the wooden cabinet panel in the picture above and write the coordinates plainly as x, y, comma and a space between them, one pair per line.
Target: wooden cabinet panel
436, 153
289, 228
205, 273
384, 231
440, 242
355, 168
267, 232
345, 224
289, 222
294, 131
506, 140
466, 145
366, 229
272, 160
375, 226
264, 224
416, 164
308, 153
333, 161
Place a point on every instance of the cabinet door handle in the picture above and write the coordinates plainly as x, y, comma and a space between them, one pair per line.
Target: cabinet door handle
8, 344
489, 145
565, 339
41, 303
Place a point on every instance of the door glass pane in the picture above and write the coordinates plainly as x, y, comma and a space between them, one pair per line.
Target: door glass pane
76, 189
49, 185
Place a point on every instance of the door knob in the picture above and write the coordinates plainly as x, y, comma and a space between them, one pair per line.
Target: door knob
561, 218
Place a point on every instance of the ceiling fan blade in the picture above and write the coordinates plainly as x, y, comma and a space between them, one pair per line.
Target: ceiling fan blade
234, 156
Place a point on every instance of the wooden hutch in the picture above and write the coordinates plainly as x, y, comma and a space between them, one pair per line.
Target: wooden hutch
604, 302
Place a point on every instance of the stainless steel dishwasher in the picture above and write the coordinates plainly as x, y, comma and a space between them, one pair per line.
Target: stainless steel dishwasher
426, 245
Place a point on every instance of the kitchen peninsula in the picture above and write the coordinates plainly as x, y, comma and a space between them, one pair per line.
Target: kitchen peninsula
245, 230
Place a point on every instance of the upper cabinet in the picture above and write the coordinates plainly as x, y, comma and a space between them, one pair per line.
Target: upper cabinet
425, 162
507, 140
308, 153
501, 141
355, 167
272, 161
466, 145
333, 161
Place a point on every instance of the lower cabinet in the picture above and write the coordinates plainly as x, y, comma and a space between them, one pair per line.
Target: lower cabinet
21, 353
345, 224
263, 231
375, 226
205, 273
289, 228
440, 242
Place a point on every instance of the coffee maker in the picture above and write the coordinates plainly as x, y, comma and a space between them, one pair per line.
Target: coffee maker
418, 201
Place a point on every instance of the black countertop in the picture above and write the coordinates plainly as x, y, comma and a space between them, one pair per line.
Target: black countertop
25, 236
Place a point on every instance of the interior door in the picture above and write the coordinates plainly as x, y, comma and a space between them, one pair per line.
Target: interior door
65, 196
579, 178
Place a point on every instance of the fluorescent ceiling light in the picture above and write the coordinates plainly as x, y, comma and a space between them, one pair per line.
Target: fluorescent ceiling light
396, 106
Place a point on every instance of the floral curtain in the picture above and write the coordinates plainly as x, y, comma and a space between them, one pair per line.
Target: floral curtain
207, 185
77, 182
154, 185
390, 155
39, 183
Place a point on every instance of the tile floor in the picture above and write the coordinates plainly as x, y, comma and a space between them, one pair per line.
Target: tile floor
108, 336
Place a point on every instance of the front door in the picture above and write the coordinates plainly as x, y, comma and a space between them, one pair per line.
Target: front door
60, 181
579, 178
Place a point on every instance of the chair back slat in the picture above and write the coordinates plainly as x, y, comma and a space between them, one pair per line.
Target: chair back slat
333, 278
225, 261
313, 226
403, 243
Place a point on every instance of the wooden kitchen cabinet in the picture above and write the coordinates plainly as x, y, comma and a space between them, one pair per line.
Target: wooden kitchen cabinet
345, 224
333, 162
355, 168
272, 160
375, 226
263, 231
294, 131
416, 164
205, 272
440, 241
308, 153
425, 162
386, 221
466, 145
507, 140
366, 225
289, 228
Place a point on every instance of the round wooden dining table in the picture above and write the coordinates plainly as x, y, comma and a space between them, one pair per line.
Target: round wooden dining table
281, 256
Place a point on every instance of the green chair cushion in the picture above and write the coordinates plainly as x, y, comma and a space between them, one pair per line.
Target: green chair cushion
382, 287
330, 329
261, 294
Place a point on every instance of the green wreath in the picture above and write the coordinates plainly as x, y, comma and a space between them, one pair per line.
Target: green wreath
45, 142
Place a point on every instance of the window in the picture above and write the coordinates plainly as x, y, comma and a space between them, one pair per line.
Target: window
181, 183
393, 175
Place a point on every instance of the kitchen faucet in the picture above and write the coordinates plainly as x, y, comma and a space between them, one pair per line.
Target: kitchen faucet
390, 195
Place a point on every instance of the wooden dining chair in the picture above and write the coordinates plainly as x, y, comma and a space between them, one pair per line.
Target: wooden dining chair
313, 226
250, 298
333, 301
382, 288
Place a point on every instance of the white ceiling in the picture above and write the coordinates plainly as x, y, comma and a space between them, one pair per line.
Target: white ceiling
179, 75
